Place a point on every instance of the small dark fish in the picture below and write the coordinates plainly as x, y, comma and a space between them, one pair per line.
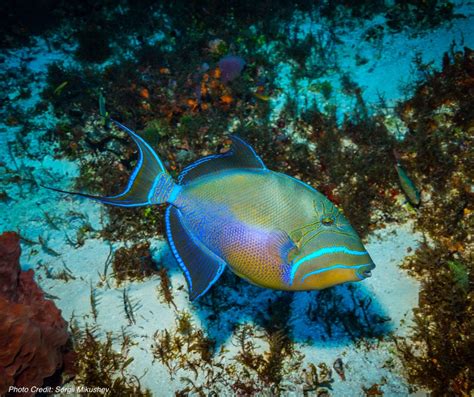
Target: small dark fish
339, 368
59, 89
407, 185
103, 112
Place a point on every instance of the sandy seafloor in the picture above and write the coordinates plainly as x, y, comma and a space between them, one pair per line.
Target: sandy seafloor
388, 72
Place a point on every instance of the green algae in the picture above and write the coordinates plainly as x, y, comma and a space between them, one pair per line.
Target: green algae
459, 272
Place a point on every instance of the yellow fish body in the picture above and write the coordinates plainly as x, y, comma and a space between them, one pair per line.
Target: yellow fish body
273, 230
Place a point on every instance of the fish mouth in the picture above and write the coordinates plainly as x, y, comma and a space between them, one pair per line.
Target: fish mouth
365, 271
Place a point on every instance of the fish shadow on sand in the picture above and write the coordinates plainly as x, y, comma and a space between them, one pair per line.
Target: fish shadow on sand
335, 316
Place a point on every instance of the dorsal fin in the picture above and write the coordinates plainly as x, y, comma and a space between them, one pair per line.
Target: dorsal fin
240, 155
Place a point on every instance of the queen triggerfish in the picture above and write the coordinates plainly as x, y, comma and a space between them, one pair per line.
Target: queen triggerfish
230, 210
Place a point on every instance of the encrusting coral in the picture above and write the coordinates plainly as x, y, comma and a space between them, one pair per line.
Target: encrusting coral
33, 335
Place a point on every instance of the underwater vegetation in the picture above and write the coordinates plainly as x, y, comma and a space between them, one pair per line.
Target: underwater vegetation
250, 372
440, 350
100, 364
185, 76
441, 123
184, 347
133, 263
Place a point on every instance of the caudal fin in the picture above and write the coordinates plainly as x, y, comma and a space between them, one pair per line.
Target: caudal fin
149, 183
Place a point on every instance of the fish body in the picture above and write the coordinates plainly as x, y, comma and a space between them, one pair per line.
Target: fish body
262, 97
59, 89
407, 185
230, 210
265, 225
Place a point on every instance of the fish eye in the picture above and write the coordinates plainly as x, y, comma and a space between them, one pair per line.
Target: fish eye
327, 220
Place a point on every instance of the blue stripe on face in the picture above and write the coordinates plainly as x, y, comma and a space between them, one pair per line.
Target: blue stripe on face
333, 267
322, 252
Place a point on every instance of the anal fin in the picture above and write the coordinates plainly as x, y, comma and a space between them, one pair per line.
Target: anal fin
200, 265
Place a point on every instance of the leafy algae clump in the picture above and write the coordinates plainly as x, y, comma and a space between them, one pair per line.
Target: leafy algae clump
98, 364
134, 263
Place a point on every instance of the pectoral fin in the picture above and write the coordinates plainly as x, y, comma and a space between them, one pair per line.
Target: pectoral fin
201, 266
282, 246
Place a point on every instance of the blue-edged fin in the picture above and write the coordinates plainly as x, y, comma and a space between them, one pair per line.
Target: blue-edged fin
201, 266
240, 155
149, 183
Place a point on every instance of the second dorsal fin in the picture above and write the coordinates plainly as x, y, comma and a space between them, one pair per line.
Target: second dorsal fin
240, 155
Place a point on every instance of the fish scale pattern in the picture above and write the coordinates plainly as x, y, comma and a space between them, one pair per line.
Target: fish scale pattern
244, 217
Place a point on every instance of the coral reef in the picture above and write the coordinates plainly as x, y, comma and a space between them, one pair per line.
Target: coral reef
33, 334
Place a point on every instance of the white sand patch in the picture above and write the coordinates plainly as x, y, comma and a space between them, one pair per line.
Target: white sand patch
383, 67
